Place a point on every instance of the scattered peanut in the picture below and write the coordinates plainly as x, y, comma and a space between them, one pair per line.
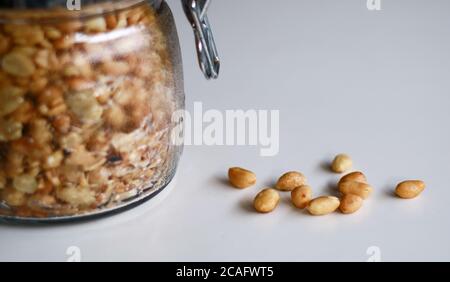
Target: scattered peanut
350, 203
409, 189
323, 205
341, 163
241, 178
354, 176
290, 180
266, 200
301, 196
360, 189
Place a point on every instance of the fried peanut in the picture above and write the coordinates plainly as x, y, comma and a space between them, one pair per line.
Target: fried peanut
290, 180
11, 98
18, 64
241, 178
301, 196
360, 189
350, 203
10, 130
323, 205
25, 184
354, 176
409, 189
341, 163
266, 200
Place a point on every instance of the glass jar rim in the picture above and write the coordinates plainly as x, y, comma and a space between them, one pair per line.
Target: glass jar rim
39, 4
55, 10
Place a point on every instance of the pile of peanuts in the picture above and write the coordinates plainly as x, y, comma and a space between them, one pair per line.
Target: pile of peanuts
353, 187
85, 111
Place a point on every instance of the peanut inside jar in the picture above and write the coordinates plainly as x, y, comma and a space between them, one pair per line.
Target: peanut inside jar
85, 111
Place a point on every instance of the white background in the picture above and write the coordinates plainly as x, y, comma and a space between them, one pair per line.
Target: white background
374, 84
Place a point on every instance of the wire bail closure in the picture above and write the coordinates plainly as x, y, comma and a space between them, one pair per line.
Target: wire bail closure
208, 57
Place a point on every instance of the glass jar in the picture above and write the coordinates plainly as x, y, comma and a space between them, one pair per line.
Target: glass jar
88, 91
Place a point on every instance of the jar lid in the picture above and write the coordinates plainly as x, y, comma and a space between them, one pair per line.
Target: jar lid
39, 4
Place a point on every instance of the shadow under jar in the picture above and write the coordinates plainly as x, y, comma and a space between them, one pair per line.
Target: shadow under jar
87, 99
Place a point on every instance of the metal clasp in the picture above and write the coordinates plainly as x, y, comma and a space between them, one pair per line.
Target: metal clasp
208, 57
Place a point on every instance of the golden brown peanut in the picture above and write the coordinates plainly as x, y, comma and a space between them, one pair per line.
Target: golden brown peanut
357, 188
266, 200
4, 44
54, 160
111, 21
25, 34
301, 196
10, 130
341, 163
18, 64
97, 24
27, 51
62, 123
85, 107
13, 198
290, 180
350, 203
116, 117
115, 68
25, 184
409, 189
38, 84
354, 176
323, 205
79, 84
241, 178
2, 179
24, 113
78, 196
65, 42
52, 33
70, 26
11, 98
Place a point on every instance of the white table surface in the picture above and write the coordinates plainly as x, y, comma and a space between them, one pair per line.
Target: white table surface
374, 84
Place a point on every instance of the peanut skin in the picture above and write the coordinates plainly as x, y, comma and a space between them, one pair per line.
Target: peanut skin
409, 189
241, 178
357, 188
266, 200
323, 205
290, 180
354, 176
341, 163
301, 196
350, 203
